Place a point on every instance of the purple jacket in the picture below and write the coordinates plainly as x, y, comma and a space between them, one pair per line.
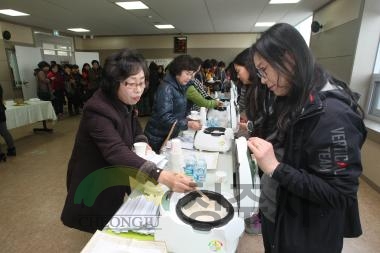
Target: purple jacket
105, 137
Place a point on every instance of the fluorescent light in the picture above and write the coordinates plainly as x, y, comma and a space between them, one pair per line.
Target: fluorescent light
78, 30
14, 13
264, 24
134, 5
164, 26
284, 1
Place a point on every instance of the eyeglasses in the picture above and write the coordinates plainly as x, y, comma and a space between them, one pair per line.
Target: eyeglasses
260, 72
134, 86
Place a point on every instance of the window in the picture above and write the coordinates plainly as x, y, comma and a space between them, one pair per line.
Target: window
55, 48
304, 27
374, 108
62, 53
49, 52
377, 63
374, 95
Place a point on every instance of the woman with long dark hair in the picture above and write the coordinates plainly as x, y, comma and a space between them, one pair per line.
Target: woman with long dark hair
320, 128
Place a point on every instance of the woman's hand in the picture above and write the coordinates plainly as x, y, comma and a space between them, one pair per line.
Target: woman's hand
243, 117
219, 103
177, 182
264, 154
194, 124
243, 126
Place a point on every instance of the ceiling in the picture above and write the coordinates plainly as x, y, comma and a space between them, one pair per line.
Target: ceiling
103, 17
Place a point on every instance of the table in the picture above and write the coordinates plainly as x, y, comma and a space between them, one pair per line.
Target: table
225, 163
29, 113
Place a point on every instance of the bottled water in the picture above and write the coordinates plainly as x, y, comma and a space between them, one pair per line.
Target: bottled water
200, 171
190, 163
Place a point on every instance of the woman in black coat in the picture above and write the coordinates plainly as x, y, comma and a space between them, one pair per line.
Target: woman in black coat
105, 137
321, 131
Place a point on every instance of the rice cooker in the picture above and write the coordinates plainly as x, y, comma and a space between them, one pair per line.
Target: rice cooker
187, 234
217, 139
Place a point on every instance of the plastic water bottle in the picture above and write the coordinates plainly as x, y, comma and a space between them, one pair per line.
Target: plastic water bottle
190, 163
200, 171
203, 115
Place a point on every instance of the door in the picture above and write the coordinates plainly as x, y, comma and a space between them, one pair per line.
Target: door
27, 59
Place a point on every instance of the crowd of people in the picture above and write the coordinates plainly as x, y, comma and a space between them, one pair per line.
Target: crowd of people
304, 127
66, 84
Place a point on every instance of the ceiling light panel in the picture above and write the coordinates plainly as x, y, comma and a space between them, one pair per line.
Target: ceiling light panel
164, 26
134, 5
78, 30
13, 13
284, 1
264, 24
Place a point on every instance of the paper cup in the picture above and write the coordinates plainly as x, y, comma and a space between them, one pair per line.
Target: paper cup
220, 176
140, 148
176, 145
194, 113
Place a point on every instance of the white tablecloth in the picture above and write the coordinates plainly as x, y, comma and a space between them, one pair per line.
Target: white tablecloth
31, 112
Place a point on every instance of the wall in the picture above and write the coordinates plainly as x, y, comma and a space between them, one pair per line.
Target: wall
219, 46
21, 35
347, 46
334, 46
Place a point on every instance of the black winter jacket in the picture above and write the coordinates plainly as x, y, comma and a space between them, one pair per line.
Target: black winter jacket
319, 177
169, 105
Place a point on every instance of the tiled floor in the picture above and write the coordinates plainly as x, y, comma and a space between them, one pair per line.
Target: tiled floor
32, 192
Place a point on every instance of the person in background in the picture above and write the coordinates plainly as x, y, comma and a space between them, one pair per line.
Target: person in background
196, 95
244, 68
107, 131
208, 70
44, 91
94, 77
58, 89
320, 127
79, 83
72, 91
221, 76
243, 65
170, 103
231, 76
85, 76
154, 81
161, 72
220, 73
4, 132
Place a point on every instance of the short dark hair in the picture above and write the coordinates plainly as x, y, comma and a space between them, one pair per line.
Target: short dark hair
118, 67
181, 63
43, 64
95, 61
221, 64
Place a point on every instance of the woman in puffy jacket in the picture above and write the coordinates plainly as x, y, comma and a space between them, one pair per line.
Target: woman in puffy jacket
170, 103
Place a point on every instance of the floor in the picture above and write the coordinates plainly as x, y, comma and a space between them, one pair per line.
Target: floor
32, 193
